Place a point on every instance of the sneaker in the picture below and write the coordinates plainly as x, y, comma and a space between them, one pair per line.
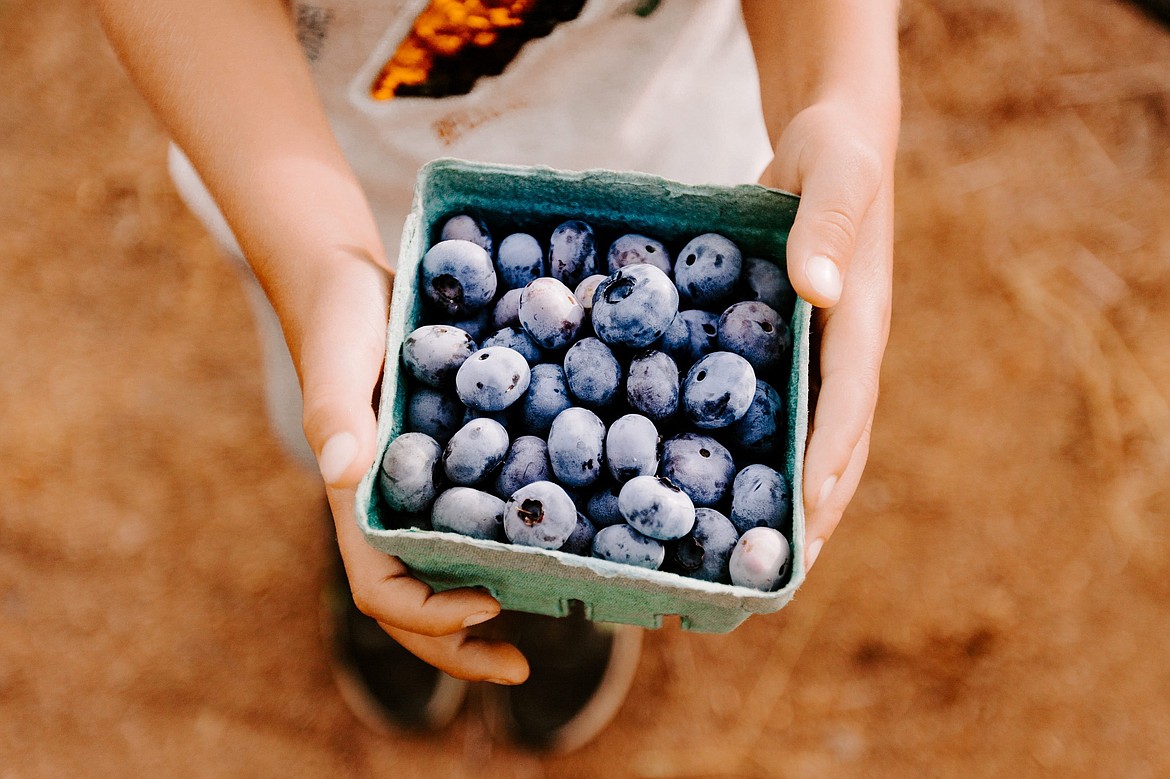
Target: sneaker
386, 687
580, 674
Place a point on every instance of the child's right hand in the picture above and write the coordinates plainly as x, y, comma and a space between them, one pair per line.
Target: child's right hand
230, 83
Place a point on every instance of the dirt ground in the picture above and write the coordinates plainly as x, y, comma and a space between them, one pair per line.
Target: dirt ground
995, 603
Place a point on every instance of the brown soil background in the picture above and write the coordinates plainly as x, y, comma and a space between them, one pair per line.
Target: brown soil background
995, 603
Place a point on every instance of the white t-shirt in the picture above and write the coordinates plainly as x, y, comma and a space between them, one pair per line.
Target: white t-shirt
667, 87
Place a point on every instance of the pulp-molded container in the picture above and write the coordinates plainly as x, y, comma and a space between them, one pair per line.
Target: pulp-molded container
536, 199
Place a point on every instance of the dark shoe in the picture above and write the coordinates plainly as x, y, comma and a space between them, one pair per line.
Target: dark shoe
385, 686
580, 674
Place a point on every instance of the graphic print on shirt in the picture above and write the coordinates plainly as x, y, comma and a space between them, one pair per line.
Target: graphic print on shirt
454, 43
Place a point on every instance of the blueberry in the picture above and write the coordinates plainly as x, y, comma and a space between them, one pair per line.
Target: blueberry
656, 507
517, 339
433, 353
768, 283
507, 310
478, 325
754, 331
633, 249
692, 334
475, 451
434, 412
718, 390
540, 514
576, 446
469, 512
585, 291
550, 313
519, 261
634, 306
580, 541
458, 277
700, 466
547, 396
624, 544
592, 373
707, 270
631, 447
504, 418
526, 462
705, 552
765, 425
760, 559
602, 506
492, 380
652, 386
572, 252
407, 477
760, 497
463, 227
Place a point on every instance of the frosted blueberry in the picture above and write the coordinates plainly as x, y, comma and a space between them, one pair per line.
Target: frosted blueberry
692, 334
433, 353
754, 331
475, 451
765, 425
547, 396
519, 261
760, 497
760, 559
634, 306
495, 378
700, 466
540, 514
572, 252
707, 270
592, 373
550, 313
632, 447
517, 339
458, 277
434, 412
526, 462
576, 447
705, 552
652, 385
464, 227
632, 249
654, 506
624, 544
718, 390
469, 512
408, 474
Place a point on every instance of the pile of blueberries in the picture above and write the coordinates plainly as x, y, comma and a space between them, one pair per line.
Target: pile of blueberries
616, 404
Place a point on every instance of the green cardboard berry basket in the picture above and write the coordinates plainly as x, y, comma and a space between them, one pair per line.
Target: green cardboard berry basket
537, 199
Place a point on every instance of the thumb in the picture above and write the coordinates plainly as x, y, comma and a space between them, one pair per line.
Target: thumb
340, 335
837, 175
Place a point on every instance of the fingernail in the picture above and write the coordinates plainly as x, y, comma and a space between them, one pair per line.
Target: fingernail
508, 682
475, 619
826, 490
824, 277
336, 456
814, 551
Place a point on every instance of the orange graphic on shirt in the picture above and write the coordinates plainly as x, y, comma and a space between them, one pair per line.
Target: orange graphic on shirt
444, 29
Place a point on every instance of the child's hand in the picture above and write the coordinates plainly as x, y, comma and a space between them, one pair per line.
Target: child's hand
829, 85
230, 83
840, 253
341, 356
